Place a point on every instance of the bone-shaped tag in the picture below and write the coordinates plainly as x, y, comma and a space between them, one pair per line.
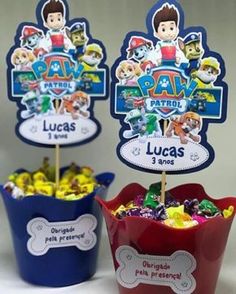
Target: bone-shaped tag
174, 271
46, 235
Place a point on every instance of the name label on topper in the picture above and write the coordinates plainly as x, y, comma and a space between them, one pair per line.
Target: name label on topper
174, 271
160, 154
46, 235
57, 129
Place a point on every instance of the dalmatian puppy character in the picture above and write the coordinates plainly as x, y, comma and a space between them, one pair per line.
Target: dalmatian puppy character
140, 50
33, 39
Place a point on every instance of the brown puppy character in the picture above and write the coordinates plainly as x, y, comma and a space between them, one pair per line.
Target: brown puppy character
22, 59
77, 35
191, 46
186, 126
127, 72
75, 105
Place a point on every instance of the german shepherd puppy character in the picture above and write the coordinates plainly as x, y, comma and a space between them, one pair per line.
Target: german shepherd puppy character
186, 126
78, 38
76, 105
191, 46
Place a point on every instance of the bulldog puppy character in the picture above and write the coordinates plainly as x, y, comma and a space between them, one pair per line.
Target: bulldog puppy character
186, 126
207, 74
140, 50
92, 57
191, 47
166, 29
32, 38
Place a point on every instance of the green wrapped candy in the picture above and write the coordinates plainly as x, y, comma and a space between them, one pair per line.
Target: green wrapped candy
208, 208
152, 197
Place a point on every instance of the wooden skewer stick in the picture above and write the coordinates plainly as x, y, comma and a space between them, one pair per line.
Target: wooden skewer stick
163, 175
57, 156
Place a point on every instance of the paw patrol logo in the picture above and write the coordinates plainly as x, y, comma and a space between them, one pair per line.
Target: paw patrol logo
57, 74
166, 91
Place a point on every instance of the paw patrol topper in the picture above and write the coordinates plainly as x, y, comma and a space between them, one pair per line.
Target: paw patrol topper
55, 73
167, 86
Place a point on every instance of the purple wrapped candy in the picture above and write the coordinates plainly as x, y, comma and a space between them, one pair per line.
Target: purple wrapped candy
133, 212
160, 212
170, 201
147, 213
138, 201
191, 206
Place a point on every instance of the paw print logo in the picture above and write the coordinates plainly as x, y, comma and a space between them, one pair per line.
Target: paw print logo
136, 151
129, 257
84, 131
164, 83
184, 284
39, 227
194, 156
33, 129
55, 67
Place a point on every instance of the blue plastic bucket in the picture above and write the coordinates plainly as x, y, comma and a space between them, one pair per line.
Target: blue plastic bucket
56, 242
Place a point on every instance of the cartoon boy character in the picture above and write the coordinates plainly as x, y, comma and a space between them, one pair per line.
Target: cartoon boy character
53, 14
166, 28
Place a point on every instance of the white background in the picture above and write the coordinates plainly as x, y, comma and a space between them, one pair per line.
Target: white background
110, 20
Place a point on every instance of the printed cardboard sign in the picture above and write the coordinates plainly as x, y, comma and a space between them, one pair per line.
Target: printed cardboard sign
167, 86
55, 73
45, 235
173, 271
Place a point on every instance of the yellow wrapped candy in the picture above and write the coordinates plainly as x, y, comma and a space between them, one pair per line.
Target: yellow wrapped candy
228, 212
74, 197
172, 210
29, 190
46, 189
22, 180
39, 177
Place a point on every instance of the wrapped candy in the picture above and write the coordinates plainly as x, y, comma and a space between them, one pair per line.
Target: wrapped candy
74, 184
177, 215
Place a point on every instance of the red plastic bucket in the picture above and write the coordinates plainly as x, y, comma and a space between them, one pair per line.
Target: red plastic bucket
152, 258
